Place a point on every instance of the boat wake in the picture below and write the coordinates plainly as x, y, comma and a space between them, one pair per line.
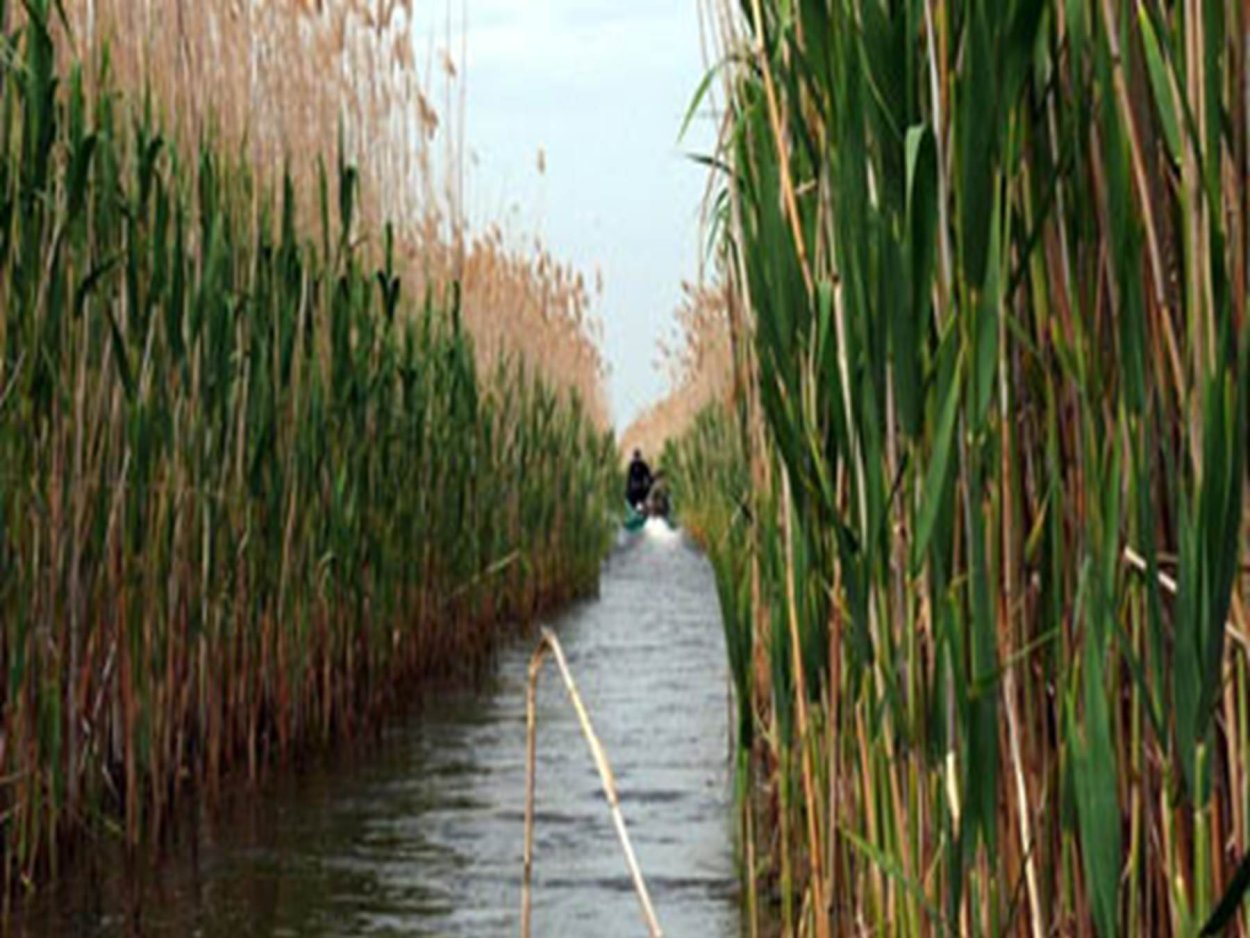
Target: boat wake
658, 529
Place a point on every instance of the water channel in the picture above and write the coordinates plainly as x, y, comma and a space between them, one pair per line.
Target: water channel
422, 833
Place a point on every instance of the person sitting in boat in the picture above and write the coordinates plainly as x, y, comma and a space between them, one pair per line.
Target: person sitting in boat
638, 482
657, 504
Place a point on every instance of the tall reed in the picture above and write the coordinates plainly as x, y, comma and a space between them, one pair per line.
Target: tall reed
283, 80
991, 258
249, 488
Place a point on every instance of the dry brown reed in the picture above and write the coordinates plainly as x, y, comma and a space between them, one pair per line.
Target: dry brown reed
550, 645
699, 362
286, 80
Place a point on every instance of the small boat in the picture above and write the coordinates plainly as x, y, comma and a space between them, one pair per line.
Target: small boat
646, 497
635, 519
656, 505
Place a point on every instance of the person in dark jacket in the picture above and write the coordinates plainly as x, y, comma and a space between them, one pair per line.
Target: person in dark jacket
638, 481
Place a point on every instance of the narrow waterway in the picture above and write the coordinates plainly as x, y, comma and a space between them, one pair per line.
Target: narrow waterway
422, 834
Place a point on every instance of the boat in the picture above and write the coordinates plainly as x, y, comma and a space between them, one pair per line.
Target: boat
635, 519
656, 505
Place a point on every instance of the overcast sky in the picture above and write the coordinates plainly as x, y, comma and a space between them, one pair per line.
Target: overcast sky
601, 87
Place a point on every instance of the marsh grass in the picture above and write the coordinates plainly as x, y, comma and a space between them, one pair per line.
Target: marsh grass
698, 360
252, 485
280, 82
977, 508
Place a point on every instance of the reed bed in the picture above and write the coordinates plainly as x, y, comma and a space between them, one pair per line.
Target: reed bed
977, 509
699, 361
281, 81
252, 486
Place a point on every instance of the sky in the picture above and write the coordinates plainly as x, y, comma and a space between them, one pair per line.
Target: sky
601, 87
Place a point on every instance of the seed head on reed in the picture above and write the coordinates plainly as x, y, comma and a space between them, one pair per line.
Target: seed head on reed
291, 79
699, 364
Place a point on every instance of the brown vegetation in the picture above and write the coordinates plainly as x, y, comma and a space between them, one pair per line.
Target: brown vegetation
700, 367
255, 484
288, 81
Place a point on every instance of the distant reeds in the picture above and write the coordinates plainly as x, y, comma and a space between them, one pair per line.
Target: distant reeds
251, 477
699, 361
977, 509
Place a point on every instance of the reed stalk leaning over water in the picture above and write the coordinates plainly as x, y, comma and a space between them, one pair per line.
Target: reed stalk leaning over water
250, 490
990, 259
550, 645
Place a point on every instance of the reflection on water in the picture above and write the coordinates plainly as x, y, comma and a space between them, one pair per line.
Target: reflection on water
422, 835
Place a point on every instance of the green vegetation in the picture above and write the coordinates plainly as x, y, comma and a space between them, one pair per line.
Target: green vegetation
247, 489
977, 510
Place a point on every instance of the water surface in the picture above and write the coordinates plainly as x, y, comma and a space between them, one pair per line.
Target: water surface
421, 835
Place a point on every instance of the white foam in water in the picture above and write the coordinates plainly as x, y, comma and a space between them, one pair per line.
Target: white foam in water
657, 529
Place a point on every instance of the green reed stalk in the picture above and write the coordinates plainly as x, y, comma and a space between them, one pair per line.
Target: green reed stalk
994, 257
249, 491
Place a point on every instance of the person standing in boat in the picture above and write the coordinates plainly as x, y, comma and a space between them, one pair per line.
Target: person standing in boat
638, 482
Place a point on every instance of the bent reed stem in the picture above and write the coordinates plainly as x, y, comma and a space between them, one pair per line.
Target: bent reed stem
549, 644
